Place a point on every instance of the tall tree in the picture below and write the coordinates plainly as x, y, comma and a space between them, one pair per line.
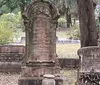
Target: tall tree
66, 8
88, 29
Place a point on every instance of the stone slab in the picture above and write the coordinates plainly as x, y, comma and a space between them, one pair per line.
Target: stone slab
10, 67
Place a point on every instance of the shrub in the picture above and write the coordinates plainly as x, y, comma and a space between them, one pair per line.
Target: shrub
74, 32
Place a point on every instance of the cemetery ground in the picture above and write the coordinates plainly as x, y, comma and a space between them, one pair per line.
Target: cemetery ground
67, 50
63, 50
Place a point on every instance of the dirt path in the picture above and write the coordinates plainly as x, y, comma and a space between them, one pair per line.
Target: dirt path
9, 79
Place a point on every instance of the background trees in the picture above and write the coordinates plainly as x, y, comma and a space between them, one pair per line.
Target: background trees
6, 30
13, 5
68, 9
10, 25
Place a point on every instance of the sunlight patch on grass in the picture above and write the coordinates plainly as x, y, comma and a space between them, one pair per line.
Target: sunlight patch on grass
67, 50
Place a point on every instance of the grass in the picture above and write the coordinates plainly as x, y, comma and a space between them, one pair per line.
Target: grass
69, 77
67, 50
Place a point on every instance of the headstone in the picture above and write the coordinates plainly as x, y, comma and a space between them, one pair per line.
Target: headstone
40, 19
89, 69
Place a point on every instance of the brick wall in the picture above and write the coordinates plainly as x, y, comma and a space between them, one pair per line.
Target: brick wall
11, 57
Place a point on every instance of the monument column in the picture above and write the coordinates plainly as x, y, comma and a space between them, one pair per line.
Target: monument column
40, 19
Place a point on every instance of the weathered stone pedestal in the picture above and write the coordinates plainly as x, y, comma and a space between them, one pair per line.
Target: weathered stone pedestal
32, 74
89, 70
40, 19
37, 81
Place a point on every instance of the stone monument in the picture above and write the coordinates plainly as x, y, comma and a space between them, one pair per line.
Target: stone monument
89, 69
40, 19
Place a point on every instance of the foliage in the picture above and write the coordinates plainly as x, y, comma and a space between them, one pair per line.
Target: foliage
7, 6
74, 32
10, 25
62, 22
97, 15
61, 19
11, 5
97, 11
6, 30
62, 6
5, 35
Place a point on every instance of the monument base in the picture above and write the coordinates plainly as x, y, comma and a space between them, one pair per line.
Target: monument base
39, 68
37, 81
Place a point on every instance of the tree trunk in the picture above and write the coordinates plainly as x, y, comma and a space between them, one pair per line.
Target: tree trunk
68, 18
99, 19
88, 29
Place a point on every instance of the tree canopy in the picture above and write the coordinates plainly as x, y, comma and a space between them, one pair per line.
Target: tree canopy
67, 8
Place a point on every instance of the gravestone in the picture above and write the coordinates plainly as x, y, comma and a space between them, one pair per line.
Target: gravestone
89, 69
40, 19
